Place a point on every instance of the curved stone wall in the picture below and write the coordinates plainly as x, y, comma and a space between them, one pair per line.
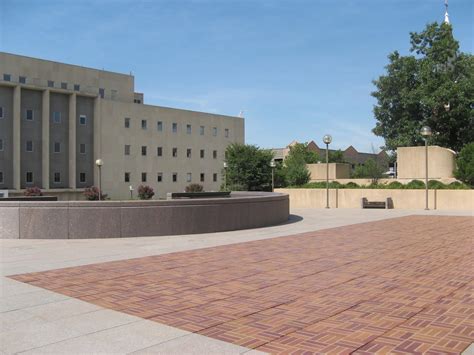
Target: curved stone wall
122, 219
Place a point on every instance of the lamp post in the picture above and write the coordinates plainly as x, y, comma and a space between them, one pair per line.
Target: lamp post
273, 165
327, 139
99, 163
426, 133
225, 175
131, 192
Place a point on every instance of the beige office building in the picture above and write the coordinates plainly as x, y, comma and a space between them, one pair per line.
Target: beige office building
56, 119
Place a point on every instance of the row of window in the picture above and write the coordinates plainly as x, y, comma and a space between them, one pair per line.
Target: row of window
29, 115
56, 147
174, 127
56, 177
174, 152
174, 177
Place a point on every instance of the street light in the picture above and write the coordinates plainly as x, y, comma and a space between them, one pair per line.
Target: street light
225, 175
273, 165
99, 164
426, 133
131, 192
327, 139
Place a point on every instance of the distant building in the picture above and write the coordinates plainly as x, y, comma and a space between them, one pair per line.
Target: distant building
350, 154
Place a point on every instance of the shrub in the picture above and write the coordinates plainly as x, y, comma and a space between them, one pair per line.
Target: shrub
194, 188
145, 192
33, 191
415, 184
370, 169
92, 194
435, 184
465, 165
351, 185
456, 185
395, 185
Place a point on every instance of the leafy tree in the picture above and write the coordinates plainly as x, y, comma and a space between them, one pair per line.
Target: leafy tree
433, 86
465, 165
370, 170
248, 168
295, 169
301, 150
336, 156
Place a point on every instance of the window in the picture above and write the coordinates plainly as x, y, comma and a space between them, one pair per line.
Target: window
82, 119
7, 77
101, 93
57, 178
202, 153
126, 122
126, 177
159, 151
113, 94
214, 131
29, 114
175, 127
29, 146
127, 149
175, 152
188, 129
143, 124
57, 147
188, 152
82, 177
77, 87
82, 148
159, 177
214, 154
1, 177
189, 177
64, 86
1, 145
29, 177
214, 177
1, 112
202, 177
22, 80
159, 126
143, 149
143, 177
175, 177
137, 101
226, 133
201, 130
50, 83
57, 117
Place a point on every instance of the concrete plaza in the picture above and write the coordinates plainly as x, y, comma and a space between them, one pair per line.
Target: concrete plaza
351, 286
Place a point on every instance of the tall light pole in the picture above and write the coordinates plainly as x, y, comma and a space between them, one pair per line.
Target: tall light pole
273, 165
99, 164
426, 133
327, 139
225, 175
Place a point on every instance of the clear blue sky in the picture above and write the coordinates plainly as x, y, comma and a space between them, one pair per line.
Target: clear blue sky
298, 69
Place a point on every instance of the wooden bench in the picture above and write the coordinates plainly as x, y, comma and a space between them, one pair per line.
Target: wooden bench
178, 195
387, 204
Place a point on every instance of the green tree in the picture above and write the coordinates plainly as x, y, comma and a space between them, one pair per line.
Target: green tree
248, 168
295, 169
433, 86
465, 165
336, 156
370, 170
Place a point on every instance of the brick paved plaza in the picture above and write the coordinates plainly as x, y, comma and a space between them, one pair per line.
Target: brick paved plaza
398, 285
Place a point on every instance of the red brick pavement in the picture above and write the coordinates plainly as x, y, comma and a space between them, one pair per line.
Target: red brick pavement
402, 285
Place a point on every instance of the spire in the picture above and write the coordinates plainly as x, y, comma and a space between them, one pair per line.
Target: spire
446, 15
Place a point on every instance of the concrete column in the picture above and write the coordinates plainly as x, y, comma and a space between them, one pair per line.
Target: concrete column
45, 139
16, 137
97, 140
72, 141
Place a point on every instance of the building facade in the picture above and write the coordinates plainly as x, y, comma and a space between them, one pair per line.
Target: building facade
56, 119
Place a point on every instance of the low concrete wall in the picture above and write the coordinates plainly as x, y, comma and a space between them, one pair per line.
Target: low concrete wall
404, 199
336, 171
114, 219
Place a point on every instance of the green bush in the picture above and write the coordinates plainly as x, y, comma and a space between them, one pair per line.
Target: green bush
194, 188
351, 185
145, 192
435, 184
415, 184
465, 165
395, 185
456, 185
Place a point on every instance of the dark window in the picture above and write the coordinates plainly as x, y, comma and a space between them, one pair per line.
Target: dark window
50, 83
143, 124
143, 177
29, 115
159, 126
64, 86
22, 80
143, 149
226, 133
56, 117
127, 149
188, 129
159, 177
1, 112
202, 153
214, 154
57, 177
101, 93
29, 177
175, 152
175, 177
175, 127
57, 147
189, 177
7, 77
29, 146
82, 119
188, 152
127, 177
127, 122
82, 148
202, 177
1, 177
214, 131
82, 177
214, 177
159, 151
201, 130
1, 145
77, 87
